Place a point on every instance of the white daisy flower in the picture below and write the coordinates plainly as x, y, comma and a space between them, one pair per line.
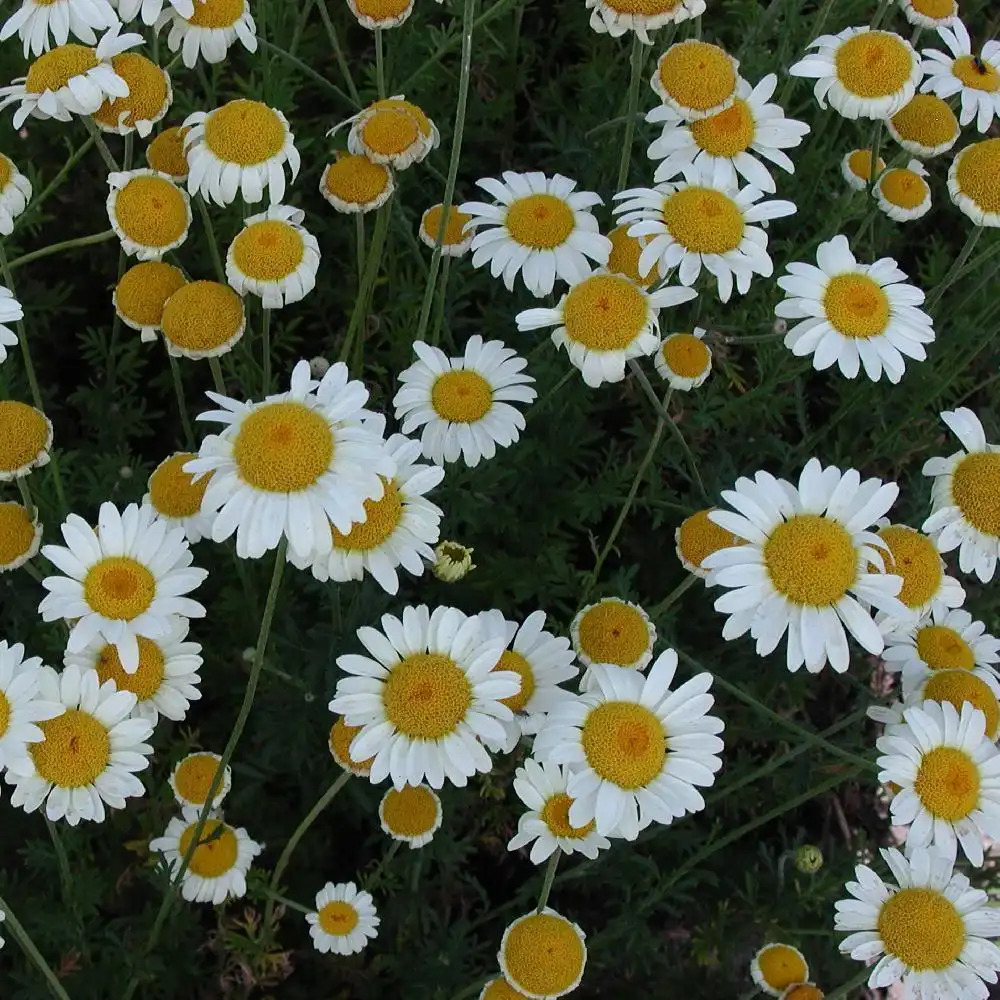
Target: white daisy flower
852, 314
292, 465
903, 192
807, 564
208, 32
696, 79
392, 131
192, 777
35, 20
972, 182
928, 931
615, 17
542, 787
926, 127
975, 77
149, 97
612, 631
931, 14
684, 359
697, 537
964, 511
856, 167
90, 752
219, 864
10, 312
702, 221
176, 496
410, 815
862, 72
636, 750
150, 10
464, 404
542, 955
778, 966
149, 213
241, 148
426, 697
21, 703
123, 581
345, 919
25, 439
352, 184
539, 227
15, 193
20, 535
730, 138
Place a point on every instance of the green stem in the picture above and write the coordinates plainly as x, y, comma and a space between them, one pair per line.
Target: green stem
379, 66
66, 882
674, 596
52, 248
841, 992
359, 235
880, 12
284, 900
213, 246
175, 375
550, 874
814, 32
372, 264
265, 327
308, 71
637, 58
300, 26
26, 498
338, 52
102, 147
442, 298
537, 407
918, 30
217, 379
34, 955
957, 265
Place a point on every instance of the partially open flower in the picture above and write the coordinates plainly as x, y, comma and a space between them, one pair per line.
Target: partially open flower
456, 241
25, 439
203, 319
972, 182
696, 79
142, 292
352, 183
392, 131
903, 193
15, 193
165, 153
19, 539
149, 213
856, 167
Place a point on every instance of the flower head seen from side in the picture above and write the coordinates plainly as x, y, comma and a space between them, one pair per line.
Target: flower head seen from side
165, 153
806, 565
142, 292
464, 404
20, 535
392, 131
539, 227
613, 631
543, 954
22, 705
125, 580
25, 439
457, 237
931, 14
615, 17
353, 184
177, 497
862, 72
345, 919
854, 315
15, 193
10, 312
972, 182
926, 127
903, 192
697, 537
696, 79
856, 167
410, 815
148, 101
976, 78
192, 777
684, 359
452, 561
624, 256
149, 213
637, 751
202, 319
777, 966
209, 30
380, 14
36, 20
426, 696
339, 742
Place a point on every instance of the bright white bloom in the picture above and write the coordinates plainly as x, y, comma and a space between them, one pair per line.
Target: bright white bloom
129, 10
35, 20
615, 17
15, 193
21, 704
903, 192
975, 77
345, 919
410, 815
10, 312
209, 30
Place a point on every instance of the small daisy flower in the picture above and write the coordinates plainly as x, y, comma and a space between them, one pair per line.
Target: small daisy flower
426, 697
149, 213
852, 314
546, 826
241, 148
729, 139
10, 312
15, 193
274, 257
684, 359
697, 537
345, 919
539, 227
615, 17
292, 465
457, 237
353, 184
35, 20
776, 967
972, 182
121, 582
862, 72
464, 404
624, 256
341, 737
926, 127
165, 154
141, 294
931, 14
975, 78
380, 14
20, 536
149, 97
392, 131
21, 703
903, 193
543, 954
192, 777
495, 989
89, 754
637, 751
802, 991
203, 319
209, 30
856, 167
410, 815
25, 439
452, 561
150, 10
696, 79
220, 861
613, 631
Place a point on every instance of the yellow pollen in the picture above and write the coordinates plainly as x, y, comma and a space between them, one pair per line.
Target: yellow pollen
355, 179
942, 648
555, 815
24, 435
729, 132
856, 306
17, 535
166, 153
811, 559
613, 632
119, 587
338, 918
283, 447
244, 132
646, 8
904, 188
4, 714
461, 396
500, 989
390, 132
874, 64
605, 312
803, 991
147, 92
624, 257
860, 164
268, 250
217, 13
151, 211
341, 737
144, 289
146, 681
217, 849
960, 686
697, 75
543, 955
6, 171
426, 696
430, 224
382, 517
382, 10
75, 751
975, 488
922, 928
172, 491
703, 220
202, 316
394, 104
781, 966
948, 783
515, 662
700, 537
927, 120
54, 69
940, 9
977, 172
409, 812
976, 75
624, 743
686, 355
194, 776
915, 558
540, 221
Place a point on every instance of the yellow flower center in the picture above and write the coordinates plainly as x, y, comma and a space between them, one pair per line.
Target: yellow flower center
729, 132
803, 991
453, 234
166, 152
624, 743
147, 92
935, 8
24, 434
395, 104
856, 306
217, 848
540, 221
780, 966
647, 8
977, 172
860, 164
54, 69
922, 928
811, 559
144, 289
355, 179
624, 256
6, 171
874, 64
410, 812
17, 534
338, 918
382, 517
461, 396
4, 714
217, 13
515, 662
76, 749
976, 74
948, 783
700, 537
172, 491
613, 631
382, 10
500, 989
543, 954
244, 132
341, 737
151, 211
960, 686
927, 120
283, 447
202, 316
426, 696
605, 312
390, 131
146, 681
555, 815
268, 250
697, 75
975, 489
194, 776
942, 648
686, 355
915, 558
703, 220
119, 587
904, 188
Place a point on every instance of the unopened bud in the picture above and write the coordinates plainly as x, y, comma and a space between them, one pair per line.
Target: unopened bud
808, 859
318, 367
453, 561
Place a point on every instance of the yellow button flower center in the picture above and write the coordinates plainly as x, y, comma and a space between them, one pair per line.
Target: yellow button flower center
874, 64
390, 131
927, 120
803, 991
700, 537
697, 75
977, 74
613, 632
922, 928
645, 8
172, 491
686, 355
166, 152
151, 211
202, 316
54, 69
76, 749
217, 13
395, 104
977, 172
6, 171
860, 164
856, 306
147, 679
500, 989
338, 918
4, 714
453, 234
703, 220
543, 955
540, 221
244, 132
948, 783
144, 289
811, 559
409, 812
147, 92
355, 179
194, 777
935, 8
119, 587
217, 849
382, 519
975, 490
382, 10
269, 250
904, 188
461, 396
605, 312
515, 662
426, 696
341, 737
942, 648
960, 686
915, 558
781, 966
729, 132
24, 435
624, 256
624, 743
555, 815
17, 534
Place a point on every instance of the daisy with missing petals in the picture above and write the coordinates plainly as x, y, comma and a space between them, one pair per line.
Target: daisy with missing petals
141, 294
856, 167
855, 315
495, 989
862, 72
457, 236
176, 496
636, 750
613, 631
539, 227
345, 919
89, 754
209, 30
410, 815
735, 138
546, 826
807, 564
149, 97
684, 359
25, 439
380, 14
192, 778
928, 931
778, 966
624, 256
20, 536
903, 192
426, 697
150, 10
972, 182
219, 863
149, 213
353, 184
15, 193
931, 14
926, 127
615, 17
37, 19
292, 465
464, 404
202, 319
696, 79
21, 704
121, 582
542, 954
392, 131
697, 537
165, 154
339, 743
975, 77
10, 312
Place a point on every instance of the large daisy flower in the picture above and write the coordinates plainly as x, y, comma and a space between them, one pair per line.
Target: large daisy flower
123, 581
852, 314
807, 564
615, 17
10, 312
21, 703
345, 919
15, 193
539, 227
426, 697
292, 465
636, 750
35, 20
209, 30
975, 77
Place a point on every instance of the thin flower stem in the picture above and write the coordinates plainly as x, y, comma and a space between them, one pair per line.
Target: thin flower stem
265, 329
338, 52
373, 261
880, 12
442, 298
300, 26
34, 955
874, 147
213, 246
58, 180
102, 147
308, 71
841, 992
66, 882
636, 60
675, 595
26, 498
284, 900
53, 248
175, 375
756, 339
379, 65
217, 379
359, 235
376, 876
957, 265
550, 874
918, 30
